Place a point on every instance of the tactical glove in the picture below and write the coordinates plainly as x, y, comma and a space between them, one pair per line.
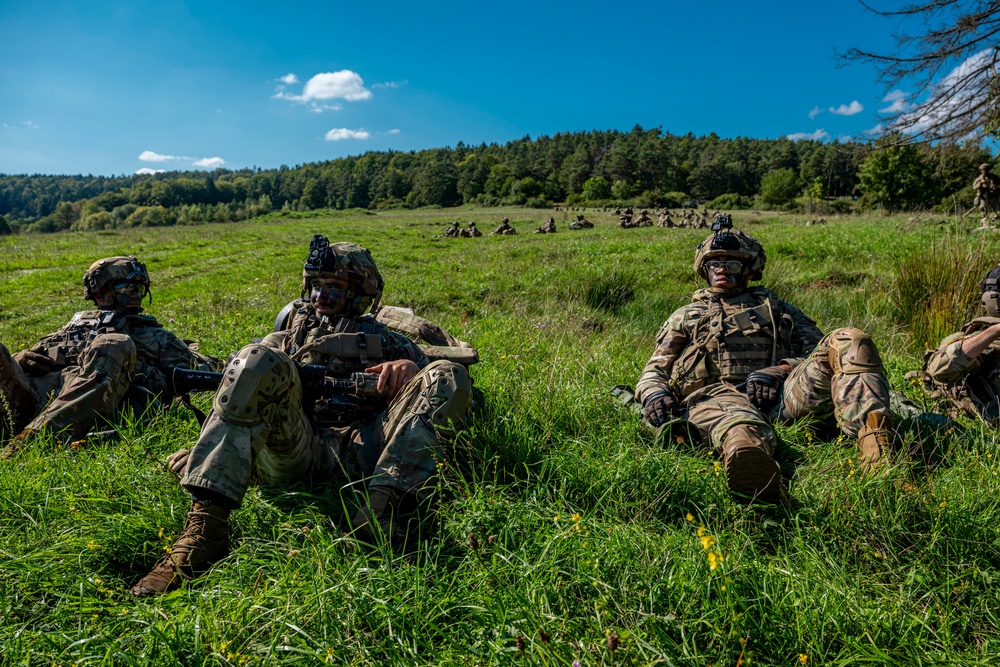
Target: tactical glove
35, 364
177, 462
660, 408
763, 387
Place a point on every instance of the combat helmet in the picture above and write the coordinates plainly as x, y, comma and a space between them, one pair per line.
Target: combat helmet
347, 261
984, 166
113, 270
726, 243
990, 286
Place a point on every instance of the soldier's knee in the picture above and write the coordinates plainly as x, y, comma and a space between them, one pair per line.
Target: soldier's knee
445, 393
252, 379
852, 351
113, 351
756, 435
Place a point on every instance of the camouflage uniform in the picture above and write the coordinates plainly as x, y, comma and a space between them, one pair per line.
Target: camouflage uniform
707, 348
453, 231
987, 190
504, 229
547, 228
88, 369
970, 385
260, 432
709, 351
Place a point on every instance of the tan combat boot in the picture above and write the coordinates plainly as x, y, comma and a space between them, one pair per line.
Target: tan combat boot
205, 540
751, 472
875, 439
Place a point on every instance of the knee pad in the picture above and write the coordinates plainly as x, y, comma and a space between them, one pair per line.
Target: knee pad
252, 378
445, 393
112, 352
852, 351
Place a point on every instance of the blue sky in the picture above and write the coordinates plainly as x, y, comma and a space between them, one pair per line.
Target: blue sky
113, 87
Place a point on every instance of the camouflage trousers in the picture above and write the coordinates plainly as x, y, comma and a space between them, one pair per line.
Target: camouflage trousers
843, 378
82, 395
258, 432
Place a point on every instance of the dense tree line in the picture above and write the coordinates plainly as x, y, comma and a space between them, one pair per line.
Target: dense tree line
648, 167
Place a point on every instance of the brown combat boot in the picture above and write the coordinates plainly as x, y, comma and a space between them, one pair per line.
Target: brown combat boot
875, 440
751, 472
205, 540
379, 519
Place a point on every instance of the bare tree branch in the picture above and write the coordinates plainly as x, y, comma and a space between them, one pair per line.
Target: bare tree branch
950, 65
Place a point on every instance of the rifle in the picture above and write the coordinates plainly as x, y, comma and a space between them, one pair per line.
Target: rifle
332, 401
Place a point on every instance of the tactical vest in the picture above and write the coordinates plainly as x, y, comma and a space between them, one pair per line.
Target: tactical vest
975, 394
344, 346
731, 339
65, 345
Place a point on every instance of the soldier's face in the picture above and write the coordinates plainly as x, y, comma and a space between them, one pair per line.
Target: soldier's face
719, 275
328, 295
125, 297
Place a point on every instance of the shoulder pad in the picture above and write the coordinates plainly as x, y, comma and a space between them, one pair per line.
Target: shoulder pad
92, 318
980, 323
285, 314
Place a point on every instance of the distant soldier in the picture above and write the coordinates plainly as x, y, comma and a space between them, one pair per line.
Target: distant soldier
101, 363
643, 219
471, 231
547, 228
581, 222
453, 232
504, 229
987, 189
665, 220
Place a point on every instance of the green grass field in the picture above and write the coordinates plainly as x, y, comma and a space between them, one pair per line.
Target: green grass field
566, 524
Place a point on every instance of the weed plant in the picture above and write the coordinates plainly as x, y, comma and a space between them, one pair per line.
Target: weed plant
564, 534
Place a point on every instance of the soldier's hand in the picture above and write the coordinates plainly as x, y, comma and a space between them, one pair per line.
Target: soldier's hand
660, 408
764, 387
393, 376
177, 462
35, 364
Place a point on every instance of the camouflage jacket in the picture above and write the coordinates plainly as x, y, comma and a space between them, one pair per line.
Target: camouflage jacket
158, 351
970, 385
344, 345
722, 337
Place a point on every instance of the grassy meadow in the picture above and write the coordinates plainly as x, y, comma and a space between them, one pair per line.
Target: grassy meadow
566, 534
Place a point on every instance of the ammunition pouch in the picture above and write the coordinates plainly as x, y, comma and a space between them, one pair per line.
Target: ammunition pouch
343, 352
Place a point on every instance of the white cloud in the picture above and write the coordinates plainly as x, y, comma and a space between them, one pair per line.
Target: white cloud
390, 84
30, 125
210, 162
150, 156
818, 135
851, 109
878, 129
394, 130
898, 106
340, 133
147, 170
289, 79
895, 95
344, 84
320, 108
815, 112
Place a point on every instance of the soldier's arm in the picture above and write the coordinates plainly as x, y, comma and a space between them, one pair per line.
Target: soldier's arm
805, 336
173, 353
949, 362
671, 340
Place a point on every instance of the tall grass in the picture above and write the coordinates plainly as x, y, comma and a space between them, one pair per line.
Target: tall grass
936, 288
565, 534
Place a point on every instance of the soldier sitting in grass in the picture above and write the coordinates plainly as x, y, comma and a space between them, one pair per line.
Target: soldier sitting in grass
504, 229
261, 431
739, 358
102, 361
964, 370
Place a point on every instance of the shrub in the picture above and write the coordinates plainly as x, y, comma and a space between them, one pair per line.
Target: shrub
596, 188
841, 206
730, 202
779, 187
675, 200
575, 200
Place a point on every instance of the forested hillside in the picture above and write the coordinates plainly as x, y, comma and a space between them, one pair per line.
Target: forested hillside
646, 167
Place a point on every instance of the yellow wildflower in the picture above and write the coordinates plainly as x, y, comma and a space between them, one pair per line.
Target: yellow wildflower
576, 518
803, 658
707, 541
689, 516
714, 560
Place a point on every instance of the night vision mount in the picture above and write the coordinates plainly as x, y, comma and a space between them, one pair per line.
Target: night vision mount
724, 238
320, 253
